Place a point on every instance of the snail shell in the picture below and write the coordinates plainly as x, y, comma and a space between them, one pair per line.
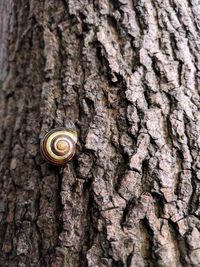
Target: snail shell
58, 146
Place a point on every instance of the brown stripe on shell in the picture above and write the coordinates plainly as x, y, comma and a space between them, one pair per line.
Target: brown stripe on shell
48, 157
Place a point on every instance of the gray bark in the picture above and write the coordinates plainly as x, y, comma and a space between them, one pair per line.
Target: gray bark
127, 74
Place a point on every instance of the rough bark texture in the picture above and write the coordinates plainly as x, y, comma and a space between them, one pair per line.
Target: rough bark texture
126, 72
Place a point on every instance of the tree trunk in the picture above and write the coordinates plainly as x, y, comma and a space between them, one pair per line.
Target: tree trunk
127, 74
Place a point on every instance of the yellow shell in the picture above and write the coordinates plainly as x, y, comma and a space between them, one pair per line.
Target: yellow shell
58, 146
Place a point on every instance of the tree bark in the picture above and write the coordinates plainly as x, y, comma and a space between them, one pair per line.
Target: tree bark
127, 74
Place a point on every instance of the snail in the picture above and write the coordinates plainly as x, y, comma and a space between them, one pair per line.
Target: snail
58, 145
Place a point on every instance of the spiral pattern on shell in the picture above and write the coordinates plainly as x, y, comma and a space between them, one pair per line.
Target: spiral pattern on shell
58, 146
